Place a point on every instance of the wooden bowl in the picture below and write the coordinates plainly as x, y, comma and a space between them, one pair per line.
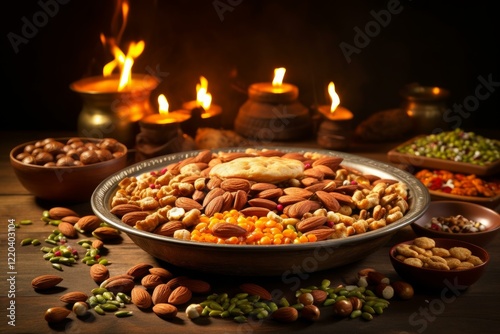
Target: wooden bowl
261, 260
489, 218
65, 184
438, 280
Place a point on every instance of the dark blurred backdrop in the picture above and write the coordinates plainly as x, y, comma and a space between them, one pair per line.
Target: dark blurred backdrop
233, 43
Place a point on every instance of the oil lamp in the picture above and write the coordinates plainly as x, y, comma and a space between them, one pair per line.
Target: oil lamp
272, 111
335, 131
204, 113
161, 133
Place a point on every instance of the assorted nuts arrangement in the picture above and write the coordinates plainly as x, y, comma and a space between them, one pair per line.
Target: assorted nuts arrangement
326, 200
74, 152
423, 253
455, 224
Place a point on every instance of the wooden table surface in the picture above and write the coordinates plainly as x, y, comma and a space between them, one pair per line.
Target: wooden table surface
475, 309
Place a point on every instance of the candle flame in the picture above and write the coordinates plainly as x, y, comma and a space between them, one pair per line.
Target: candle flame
122, 61
279, 73
334, 96
203, 97
162, 104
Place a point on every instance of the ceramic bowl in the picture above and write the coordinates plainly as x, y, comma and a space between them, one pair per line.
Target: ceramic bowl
65, 184
429, 279
475, 212
262, 260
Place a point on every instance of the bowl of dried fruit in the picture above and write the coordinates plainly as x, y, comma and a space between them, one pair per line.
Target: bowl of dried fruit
437, 264
260, 211
458, 220
66, 170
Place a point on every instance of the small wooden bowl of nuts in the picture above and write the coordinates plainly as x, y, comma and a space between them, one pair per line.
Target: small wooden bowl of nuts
66, 170
458, 220
439, 264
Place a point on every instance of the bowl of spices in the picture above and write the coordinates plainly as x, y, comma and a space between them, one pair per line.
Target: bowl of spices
458, 220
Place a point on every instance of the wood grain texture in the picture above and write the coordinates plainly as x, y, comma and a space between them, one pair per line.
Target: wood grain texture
457, 313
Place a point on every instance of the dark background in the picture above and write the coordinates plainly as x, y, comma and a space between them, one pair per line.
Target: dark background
444, 43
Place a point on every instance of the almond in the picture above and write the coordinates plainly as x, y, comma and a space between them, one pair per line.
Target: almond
285, 314
139, 270
311, 223
214, 182
327, 171
106, 233
56, 314
321, 233
261, 186
88, 223
214, 206
298, 209
270, 193
297, 191
99, 273
211, 195
255, 290
124, 285
73, 297
328, 200
255, 211
270, 153
240, 200
131, 218
314, 173
289, 199
227, 230
97, 244
309, 181
70, 219
345, 199
122, 209
44, 282
203, 156
162, 272
263, 203
319, 296
167, 229
150, 281
67, 229
228, 156
294, 155
187, 203
161, 293
235, 184
60, 212
180, 295
228, 201
165, 310
331, 162
140, 297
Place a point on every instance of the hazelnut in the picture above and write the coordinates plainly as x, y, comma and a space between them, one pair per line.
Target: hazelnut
310, 312
43, 157
89, 157
65, 161
342, 308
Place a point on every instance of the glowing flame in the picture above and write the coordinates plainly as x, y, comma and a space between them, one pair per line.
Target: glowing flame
333, 95
203, 97
279, 73
436, 90
162, 104
122, 61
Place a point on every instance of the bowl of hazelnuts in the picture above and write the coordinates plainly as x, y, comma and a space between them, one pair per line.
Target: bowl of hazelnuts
66, 170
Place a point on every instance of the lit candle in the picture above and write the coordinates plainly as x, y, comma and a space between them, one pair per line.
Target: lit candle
164, 117
335, 131
275, 91
335, 112
203, 101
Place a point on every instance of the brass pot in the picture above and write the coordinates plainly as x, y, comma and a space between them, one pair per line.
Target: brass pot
107, 112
